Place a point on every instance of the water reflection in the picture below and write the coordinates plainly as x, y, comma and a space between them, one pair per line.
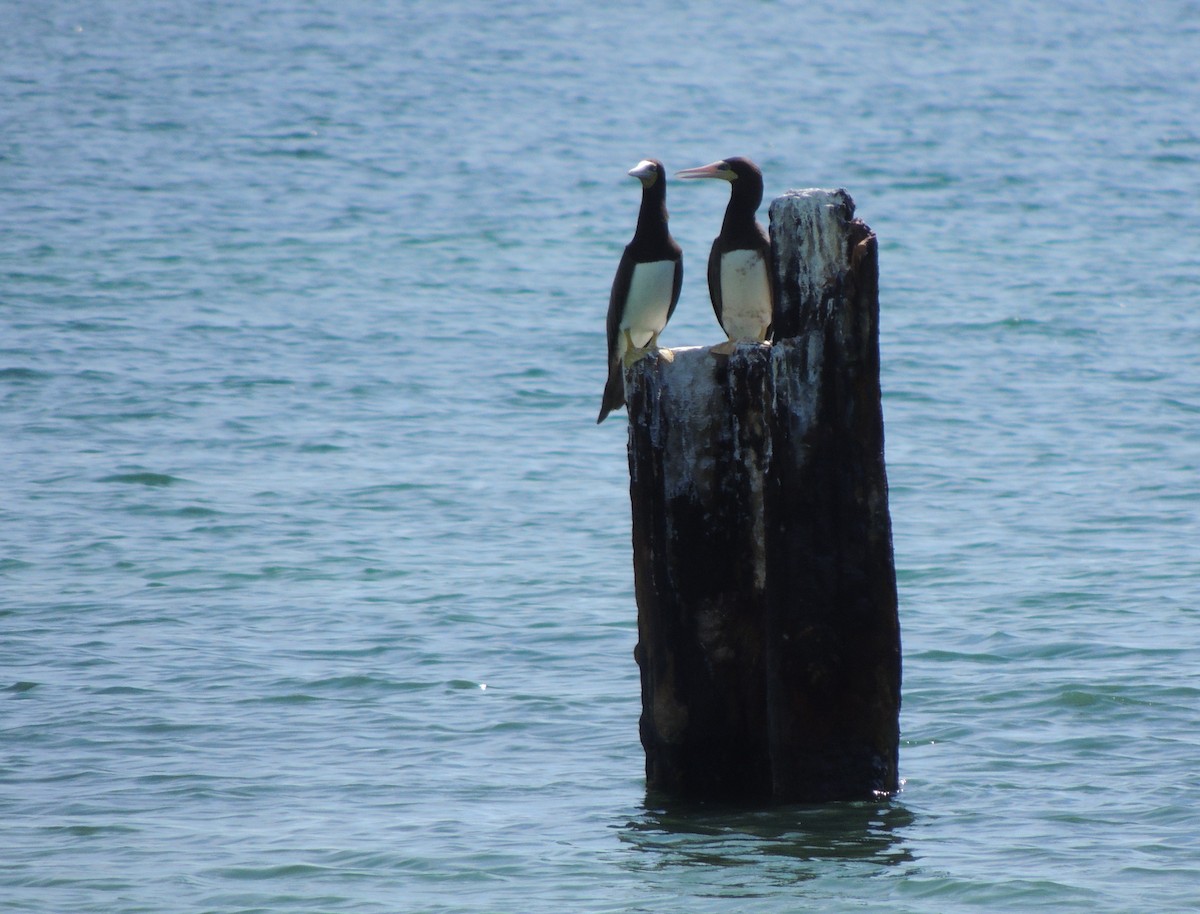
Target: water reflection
779, 845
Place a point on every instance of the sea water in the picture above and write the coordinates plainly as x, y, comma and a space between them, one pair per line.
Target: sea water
315, 572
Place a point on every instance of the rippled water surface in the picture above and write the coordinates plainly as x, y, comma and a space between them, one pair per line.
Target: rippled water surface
316, 584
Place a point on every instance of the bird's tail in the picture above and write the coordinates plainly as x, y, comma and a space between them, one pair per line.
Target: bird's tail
614, 391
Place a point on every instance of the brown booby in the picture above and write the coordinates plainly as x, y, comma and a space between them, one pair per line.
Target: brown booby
646, 287
740, 278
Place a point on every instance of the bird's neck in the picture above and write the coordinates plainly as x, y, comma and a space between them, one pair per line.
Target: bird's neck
743, 205
652, 217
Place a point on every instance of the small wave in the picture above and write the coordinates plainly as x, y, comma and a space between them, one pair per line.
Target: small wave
143, 479
22, 374
273, 872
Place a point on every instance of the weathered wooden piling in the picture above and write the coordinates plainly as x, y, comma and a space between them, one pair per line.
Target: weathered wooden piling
769, 642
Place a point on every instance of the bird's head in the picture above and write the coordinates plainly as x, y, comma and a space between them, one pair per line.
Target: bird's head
724, 170
648, 171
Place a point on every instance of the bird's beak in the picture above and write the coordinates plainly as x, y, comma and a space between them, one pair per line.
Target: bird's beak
705, 171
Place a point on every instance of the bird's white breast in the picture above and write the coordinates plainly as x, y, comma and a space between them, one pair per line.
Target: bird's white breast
649, 301
745, 295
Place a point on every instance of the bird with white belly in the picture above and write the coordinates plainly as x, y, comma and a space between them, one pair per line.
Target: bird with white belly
740, 278
646, 287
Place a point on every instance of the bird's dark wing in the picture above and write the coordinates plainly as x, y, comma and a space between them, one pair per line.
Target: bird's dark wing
616, 300
769, 260
714, 279
614, 387
678, 284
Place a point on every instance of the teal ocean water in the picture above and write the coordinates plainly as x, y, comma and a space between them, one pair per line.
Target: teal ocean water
315, 573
